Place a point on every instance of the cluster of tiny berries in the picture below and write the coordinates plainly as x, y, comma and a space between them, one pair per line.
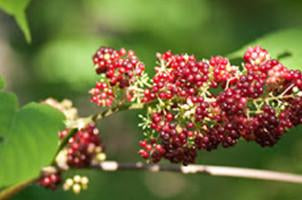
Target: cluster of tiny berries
119, 68
258, 103
203, 104
83, 147
76, 184
50, 180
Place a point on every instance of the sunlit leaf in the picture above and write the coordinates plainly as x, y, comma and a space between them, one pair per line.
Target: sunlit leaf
285, 44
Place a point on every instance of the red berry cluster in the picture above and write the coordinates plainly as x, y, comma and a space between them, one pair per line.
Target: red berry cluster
102, 94
50, 180
83, 147
222, 70
256, 56
168, 81
173, 145
120, 69
259, 103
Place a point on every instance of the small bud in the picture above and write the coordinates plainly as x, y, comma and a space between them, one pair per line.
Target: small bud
68, 184
296, 89
61, 160
76, 188
101, 156
84, 180
77, 183
49, 170
77, 179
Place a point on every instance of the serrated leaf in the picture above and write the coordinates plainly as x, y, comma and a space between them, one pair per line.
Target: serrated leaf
16, 8
29, 142
279, 43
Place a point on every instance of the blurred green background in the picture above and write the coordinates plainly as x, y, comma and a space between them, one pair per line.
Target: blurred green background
58, 64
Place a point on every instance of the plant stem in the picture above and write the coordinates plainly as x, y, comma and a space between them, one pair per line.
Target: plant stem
110, 111
113, 166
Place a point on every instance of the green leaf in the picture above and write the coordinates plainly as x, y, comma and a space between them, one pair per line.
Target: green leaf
2, 84
279, 44
8, 108
29, 139
16, 8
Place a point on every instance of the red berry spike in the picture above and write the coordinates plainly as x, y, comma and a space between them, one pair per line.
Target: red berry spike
201, 104
204, 104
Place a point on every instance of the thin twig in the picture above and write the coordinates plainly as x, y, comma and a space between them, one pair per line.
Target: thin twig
113, 166
203, 169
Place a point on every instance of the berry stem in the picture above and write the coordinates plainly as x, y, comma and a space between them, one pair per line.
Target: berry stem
286, 90
271, 98
279, 97
120, 107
